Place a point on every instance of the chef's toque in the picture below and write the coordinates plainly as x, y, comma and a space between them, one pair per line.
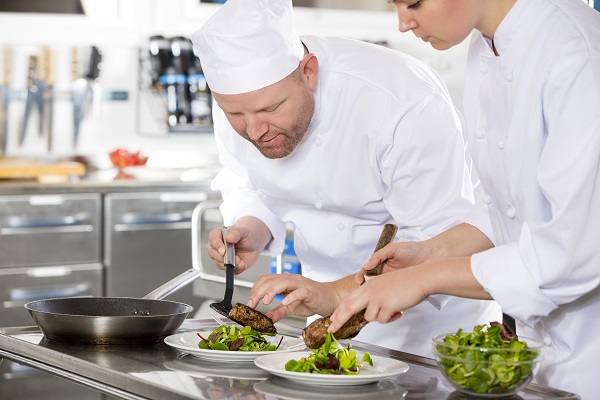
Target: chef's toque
248, 45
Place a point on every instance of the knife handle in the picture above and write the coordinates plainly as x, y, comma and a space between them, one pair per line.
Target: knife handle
6, 60
32, 70
387, 235
49, 67
42, 64
229, 256
74, 63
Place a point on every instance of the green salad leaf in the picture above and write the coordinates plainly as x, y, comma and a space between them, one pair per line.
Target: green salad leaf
330, 358
231, 338
486, 360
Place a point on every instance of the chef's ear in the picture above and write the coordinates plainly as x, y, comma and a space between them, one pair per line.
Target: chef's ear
309, 66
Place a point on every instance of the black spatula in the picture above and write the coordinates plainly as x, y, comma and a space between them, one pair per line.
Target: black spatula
224, 306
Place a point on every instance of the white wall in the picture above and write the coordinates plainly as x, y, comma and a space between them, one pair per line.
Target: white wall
124, 30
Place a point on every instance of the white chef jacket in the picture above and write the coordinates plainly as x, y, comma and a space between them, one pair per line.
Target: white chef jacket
384, 145
533, 122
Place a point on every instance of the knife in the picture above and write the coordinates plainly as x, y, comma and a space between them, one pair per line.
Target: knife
40, 83
78, 93
49, 73
32, 94
4, 98
93, 78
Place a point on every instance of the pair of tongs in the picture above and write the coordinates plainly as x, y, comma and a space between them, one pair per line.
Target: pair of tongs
224, 307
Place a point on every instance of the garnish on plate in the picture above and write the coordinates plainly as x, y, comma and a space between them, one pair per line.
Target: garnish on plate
231, 338
330, 358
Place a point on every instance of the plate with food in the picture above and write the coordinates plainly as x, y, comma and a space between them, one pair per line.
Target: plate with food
231, 343
332, 365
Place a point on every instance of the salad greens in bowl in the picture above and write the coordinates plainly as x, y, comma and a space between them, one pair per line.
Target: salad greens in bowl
487, 362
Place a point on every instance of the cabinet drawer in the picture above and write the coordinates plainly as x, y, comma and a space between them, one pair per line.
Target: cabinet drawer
50, 229
19, 286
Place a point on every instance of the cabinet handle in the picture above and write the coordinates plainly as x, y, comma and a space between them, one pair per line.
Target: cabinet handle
20, 296
43, 229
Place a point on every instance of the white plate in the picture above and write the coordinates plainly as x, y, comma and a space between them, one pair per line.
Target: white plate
282, 388
187, 342
202, 368
383, 367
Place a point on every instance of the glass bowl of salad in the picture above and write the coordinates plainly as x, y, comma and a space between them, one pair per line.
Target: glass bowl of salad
487, 362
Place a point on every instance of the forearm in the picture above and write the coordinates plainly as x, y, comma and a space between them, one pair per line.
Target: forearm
342, 287
452, 276
459, 241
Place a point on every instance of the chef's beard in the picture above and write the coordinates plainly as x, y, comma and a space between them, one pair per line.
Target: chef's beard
295, 133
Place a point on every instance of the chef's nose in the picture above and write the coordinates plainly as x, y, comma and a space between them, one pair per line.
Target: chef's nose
256, 127
405, 21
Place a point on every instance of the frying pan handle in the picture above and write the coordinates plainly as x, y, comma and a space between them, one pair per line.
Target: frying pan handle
174, 284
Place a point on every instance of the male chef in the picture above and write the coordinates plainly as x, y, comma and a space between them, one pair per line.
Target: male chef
337, 137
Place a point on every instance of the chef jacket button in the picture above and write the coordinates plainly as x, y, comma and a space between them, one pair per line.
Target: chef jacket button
340, 226
501, 144
510, 213
483, 69
547, 340
509, 77
318, 141
319, 204
487, 198
480, 134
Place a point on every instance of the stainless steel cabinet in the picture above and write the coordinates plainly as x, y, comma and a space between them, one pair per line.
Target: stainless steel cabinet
50, 229
50, 247
148, 241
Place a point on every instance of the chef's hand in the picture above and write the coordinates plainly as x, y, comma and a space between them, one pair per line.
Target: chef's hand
459, 241
395, 256
383, 297
301, 296
250, 236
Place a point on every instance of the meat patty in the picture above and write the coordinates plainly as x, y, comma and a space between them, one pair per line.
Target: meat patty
314, 334
244, 315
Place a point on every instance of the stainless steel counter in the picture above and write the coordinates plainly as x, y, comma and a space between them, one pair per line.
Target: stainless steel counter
160, 372
93, 184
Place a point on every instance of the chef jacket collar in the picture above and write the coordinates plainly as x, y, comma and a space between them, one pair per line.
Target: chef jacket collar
510, 25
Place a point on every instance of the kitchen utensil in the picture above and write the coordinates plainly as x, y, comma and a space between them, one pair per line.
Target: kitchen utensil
4, 98
224, 306
78, 93
113, 320
42, 86
32, 96
387, 235
84, 88
48, 73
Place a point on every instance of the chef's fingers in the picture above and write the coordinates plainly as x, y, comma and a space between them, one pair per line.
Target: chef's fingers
278, 313
359, 277
352, 304
265, 289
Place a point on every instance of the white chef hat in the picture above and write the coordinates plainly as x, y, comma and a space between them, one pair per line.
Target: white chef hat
248, 45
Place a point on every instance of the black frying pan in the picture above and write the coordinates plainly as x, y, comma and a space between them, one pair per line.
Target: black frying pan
114, 320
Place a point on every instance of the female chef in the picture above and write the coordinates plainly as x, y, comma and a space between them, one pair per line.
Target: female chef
532, 110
